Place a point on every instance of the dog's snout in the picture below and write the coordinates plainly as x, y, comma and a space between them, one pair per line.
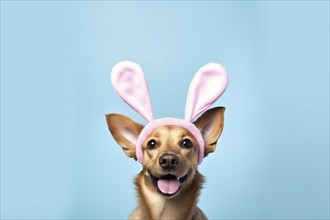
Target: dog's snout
168, 161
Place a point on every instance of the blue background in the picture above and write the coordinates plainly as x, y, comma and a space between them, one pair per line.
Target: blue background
58, 159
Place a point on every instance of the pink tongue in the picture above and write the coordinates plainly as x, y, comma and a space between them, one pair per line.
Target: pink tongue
168, 186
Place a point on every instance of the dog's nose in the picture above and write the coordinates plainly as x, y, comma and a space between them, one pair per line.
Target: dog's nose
168, 161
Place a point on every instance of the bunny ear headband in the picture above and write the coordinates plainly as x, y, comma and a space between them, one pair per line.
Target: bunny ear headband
206, 87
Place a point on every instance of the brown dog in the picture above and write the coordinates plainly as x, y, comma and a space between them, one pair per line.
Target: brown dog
169, 184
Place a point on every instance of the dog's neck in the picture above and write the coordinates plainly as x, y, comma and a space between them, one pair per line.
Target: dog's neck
156, 206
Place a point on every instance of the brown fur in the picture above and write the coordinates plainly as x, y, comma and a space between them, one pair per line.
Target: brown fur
152, 204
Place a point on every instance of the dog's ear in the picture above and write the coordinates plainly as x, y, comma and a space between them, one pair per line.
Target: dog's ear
125, 131
210, 124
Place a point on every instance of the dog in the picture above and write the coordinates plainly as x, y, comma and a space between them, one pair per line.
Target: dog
169, 184
169, 149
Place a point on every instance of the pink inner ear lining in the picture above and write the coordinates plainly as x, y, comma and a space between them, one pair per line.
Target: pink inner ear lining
130, 84
169, 121
208, 84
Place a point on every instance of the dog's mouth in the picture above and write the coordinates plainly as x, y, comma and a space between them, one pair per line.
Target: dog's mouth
168, 184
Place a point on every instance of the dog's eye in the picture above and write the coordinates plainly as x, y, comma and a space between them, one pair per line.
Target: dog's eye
152, 144
186, 143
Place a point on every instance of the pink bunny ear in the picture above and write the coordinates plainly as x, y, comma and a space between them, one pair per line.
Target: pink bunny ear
207, 86
128, 80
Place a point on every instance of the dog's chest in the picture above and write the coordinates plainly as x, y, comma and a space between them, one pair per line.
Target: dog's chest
161, 208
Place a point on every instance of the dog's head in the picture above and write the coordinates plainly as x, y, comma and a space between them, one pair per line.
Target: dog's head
170, 152
169, 149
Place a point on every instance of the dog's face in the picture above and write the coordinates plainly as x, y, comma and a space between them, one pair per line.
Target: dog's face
170, 153
170, 159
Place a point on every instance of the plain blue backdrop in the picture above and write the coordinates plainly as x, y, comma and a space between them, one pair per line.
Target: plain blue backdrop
58, 160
